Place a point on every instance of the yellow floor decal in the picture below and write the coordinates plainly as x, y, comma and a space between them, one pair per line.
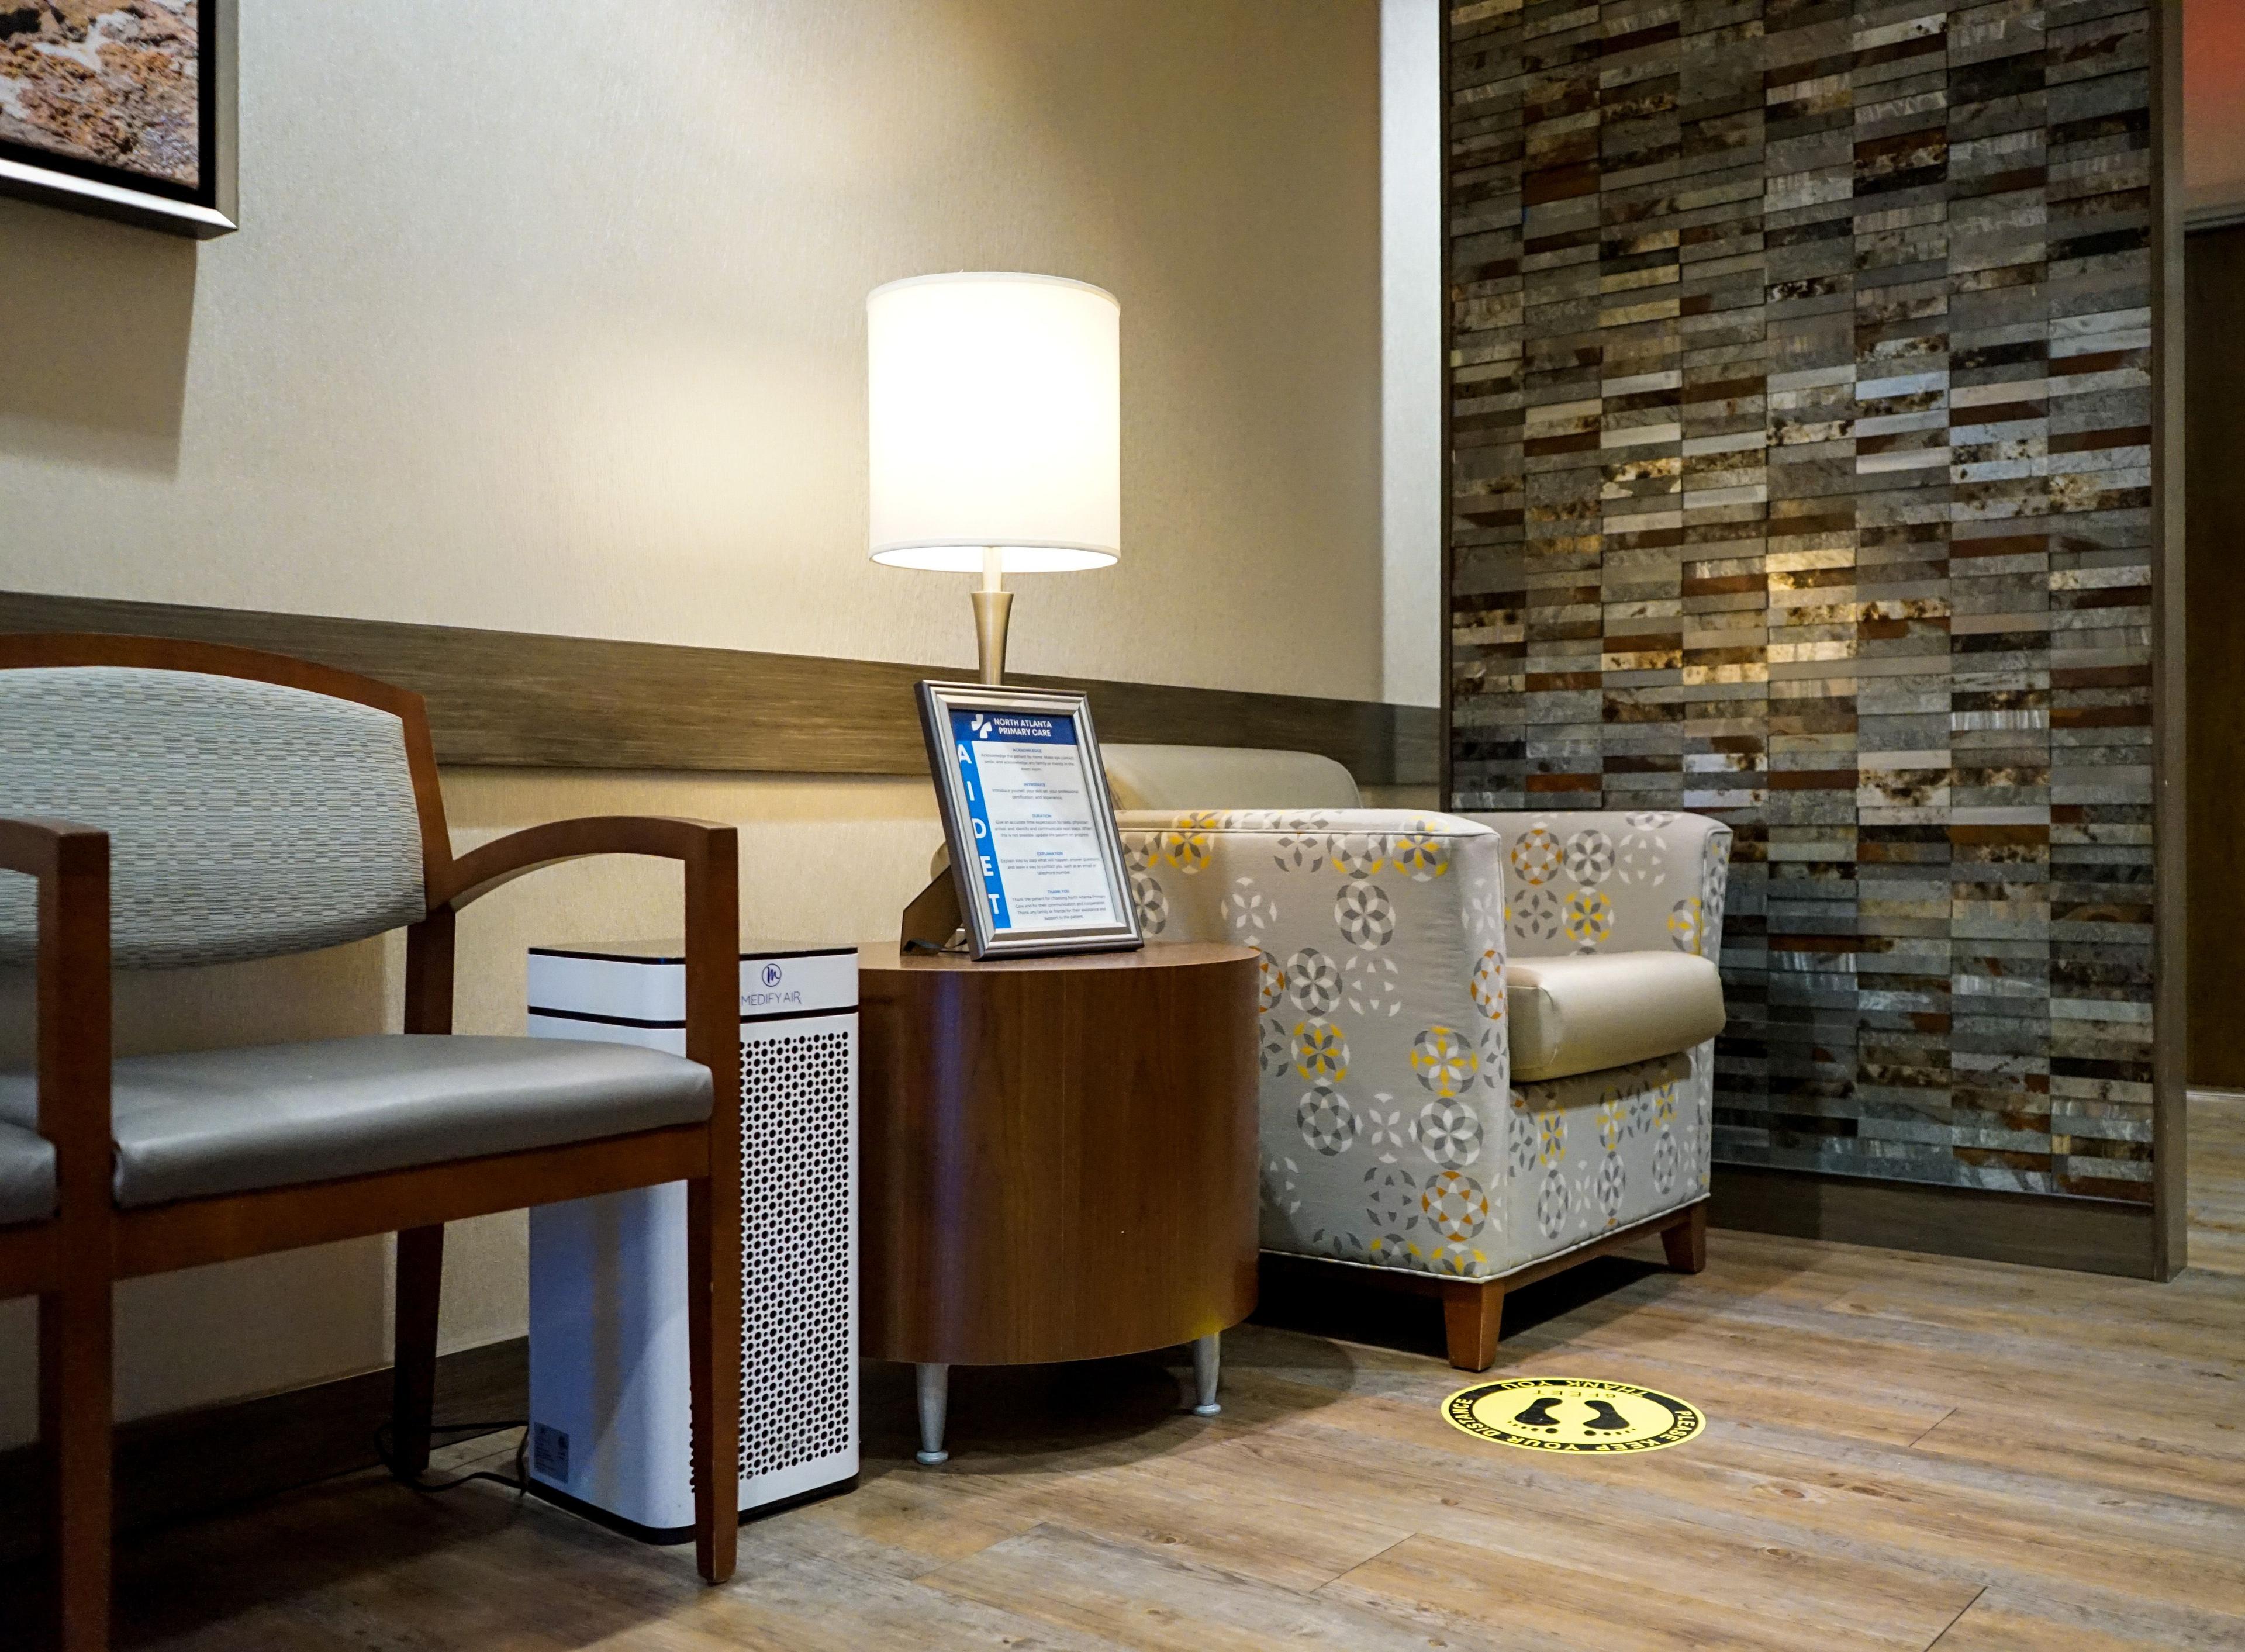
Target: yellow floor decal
1572, 1414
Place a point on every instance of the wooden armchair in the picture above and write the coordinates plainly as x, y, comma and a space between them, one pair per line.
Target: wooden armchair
238, 804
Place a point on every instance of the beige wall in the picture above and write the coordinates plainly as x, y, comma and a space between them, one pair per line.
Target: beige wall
545, 329
549, 316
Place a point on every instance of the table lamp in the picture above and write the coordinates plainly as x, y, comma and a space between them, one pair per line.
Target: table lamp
994, 419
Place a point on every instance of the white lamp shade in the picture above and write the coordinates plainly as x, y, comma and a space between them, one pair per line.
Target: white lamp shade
994, 420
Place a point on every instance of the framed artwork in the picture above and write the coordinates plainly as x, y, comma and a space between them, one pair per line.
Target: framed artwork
1035, 857
123, 111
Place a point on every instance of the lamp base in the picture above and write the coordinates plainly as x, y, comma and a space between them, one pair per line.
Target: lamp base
992, 611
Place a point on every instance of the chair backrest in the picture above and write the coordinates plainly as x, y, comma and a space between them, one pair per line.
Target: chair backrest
255, 805
1219, 777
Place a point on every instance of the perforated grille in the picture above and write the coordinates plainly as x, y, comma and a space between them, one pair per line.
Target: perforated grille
797, 1248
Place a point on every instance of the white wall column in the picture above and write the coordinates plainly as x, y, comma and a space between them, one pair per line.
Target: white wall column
1411, 346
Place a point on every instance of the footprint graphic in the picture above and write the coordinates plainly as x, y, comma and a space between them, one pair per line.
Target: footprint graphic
1605, 1417
1539, 1415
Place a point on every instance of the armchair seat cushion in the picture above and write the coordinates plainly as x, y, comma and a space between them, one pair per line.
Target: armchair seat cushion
1598, 1010
220, 1121
27, 1175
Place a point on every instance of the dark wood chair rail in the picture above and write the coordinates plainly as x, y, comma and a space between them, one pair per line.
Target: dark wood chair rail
517, 699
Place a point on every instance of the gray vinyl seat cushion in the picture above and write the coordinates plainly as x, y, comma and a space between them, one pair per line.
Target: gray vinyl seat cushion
27, 1175
218, 1122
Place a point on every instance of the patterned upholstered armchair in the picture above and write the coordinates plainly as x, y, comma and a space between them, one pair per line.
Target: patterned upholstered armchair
232, 805
1486, 1040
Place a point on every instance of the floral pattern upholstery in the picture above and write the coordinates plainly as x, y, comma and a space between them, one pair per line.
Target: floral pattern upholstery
1591, 881
1392, 1134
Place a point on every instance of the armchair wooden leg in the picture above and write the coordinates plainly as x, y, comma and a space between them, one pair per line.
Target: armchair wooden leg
1472, 1310
75, 1339
713, 1274
1686, 1243
413, 1373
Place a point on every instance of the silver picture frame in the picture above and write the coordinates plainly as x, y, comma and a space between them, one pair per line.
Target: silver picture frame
210, 209
985, 937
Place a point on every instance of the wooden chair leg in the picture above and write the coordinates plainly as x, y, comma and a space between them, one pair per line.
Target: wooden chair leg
413, 1370
713, 1274
1472, 1310
1686, 1243
75, 1378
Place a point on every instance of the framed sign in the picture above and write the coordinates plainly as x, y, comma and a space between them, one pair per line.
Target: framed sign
123, 111
1034, 855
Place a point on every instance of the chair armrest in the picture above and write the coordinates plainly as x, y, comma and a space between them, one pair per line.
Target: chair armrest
1371, 915
482, 870
711, 852
70, 863
1386, 1072
1613, 881
40, 846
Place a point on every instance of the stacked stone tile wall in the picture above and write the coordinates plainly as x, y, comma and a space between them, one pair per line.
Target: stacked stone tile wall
1800, 476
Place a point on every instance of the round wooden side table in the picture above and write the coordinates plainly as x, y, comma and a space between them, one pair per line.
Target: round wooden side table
1058, 1158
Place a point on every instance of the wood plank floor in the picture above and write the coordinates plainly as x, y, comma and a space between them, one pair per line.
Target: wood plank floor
2217, 1182
1903, 1452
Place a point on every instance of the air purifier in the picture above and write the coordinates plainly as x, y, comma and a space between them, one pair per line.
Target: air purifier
610, 1434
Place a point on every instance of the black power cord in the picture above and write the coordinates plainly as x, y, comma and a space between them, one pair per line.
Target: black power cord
385, 1453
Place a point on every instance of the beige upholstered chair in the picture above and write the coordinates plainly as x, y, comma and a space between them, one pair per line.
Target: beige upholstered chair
235, 805
1486, 1040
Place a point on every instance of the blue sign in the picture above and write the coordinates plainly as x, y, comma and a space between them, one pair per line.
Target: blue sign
970, 729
